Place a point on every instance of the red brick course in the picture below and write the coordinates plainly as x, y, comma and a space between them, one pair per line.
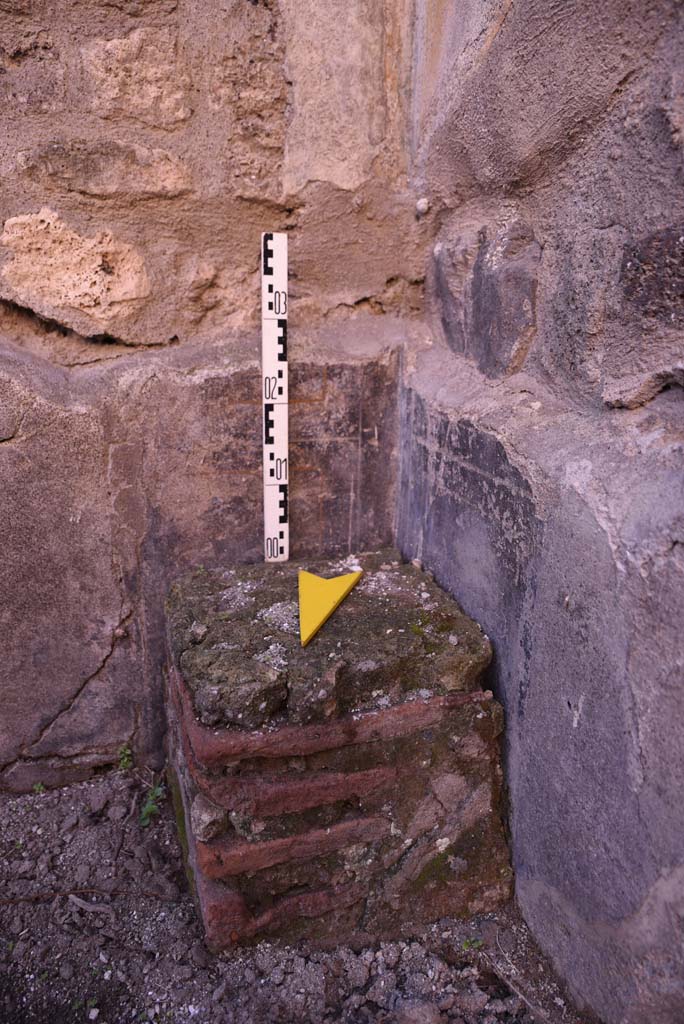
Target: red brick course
215, 748
224, 858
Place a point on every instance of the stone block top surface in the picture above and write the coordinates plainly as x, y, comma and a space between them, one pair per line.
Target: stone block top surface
234, 634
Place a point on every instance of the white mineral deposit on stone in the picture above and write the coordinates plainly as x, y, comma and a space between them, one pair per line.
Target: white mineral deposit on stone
235, 599
283, 615
348, 564
275, 656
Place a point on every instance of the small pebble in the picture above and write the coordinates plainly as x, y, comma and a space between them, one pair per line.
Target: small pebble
82, 874
117, 812
199, 955
418, 1013
198, 632
219, 992
473, 1001
98, 802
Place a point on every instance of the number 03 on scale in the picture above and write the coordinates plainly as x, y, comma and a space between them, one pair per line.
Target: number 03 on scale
274, 395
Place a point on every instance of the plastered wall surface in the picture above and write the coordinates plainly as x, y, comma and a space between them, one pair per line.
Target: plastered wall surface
118, 476
541, 472
494, 380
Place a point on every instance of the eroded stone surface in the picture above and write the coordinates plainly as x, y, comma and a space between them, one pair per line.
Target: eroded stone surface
368, 798
398, 635
90, 283
106, 169
138, 76
487, 289
652, 275
33, 76
247, 93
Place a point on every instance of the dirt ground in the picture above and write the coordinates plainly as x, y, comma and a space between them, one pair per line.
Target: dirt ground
97, 924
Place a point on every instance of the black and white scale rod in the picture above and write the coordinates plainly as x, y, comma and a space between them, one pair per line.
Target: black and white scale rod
274, 395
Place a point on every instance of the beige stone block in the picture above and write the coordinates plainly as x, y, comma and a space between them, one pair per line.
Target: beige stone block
335, 61
106, 168
87, 283
138, 76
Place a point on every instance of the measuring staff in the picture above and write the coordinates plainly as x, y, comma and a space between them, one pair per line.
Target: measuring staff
274, 395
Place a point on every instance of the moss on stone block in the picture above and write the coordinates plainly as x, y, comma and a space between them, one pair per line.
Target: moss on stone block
235, 635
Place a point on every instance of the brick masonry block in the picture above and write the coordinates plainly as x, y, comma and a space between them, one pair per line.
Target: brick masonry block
347, 791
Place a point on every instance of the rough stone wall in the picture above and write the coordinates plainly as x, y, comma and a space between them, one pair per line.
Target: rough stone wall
542, 451
143, 148
146, 145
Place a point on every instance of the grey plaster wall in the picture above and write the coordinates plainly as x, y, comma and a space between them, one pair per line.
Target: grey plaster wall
561, 533
117, 475
542, 452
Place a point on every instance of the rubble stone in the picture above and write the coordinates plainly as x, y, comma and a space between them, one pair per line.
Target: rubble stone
106, 168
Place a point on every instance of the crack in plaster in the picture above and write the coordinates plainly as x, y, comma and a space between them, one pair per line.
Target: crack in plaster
26, 750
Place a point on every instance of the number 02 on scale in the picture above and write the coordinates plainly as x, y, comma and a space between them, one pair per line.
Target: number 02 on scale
274, 395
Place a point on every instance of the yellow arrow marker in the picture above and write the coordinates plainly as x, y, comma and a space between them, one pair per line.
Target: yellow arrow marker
318, 599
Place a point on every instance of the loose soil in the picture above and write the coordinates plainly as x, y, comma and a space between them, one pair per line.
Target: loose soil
97, 924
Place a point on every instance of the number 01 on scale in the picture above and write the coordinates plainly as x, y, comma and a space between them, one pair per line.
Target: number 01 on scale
274, 395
